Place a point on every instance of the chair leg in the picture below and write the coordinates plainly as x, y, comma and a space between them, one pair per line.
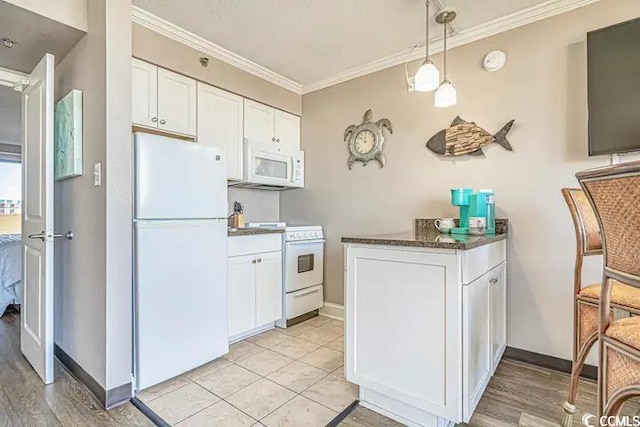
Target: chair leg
569, 406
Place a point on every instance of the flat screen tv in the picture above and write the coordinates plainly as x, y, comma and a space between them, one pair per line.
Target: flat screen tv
613, 64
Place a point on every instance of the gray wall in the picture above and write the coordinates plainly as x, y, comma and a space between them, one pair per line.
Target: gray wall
542, 87
259, 205
93, 272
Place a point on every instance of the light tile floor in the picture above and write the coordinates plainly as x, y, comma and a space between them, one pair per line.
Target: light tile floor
280, 378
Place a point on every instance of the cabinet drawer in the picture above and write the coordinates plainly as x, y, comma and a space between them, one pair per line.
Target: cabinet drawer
477, 261
246, 245
304, 301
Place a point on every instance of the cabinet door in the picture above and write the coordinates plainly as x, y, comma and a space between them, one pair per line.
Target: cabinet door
287, 131
476, 326
220, 123
259, 122
242, 302
403, 331
268, 287
498, 301
144, 93
176, 102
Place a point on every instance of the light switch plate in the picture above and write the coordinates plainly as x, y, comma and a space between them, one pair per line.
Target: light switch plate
97, 174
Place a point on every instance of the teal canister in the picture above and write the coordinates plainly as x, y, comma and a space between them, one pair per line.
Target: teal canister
491, 214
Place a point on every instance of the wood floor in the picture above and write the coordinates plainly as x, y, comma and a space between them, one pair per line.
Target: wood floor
519, 395
26, 402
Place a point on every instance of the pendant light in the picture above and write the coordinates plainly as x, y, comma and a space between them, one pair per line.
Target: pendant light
427, 78
446, 95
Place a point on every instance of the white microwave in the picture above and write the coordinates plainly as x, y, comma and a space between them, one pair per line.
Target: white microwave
265, 166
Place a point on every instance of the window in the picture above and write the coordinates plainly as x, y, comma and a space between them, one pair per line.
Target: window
10, 197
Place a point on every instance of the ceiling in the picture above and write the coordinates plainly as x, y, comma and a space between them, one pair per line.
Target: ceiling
311, 41
35, 34
10, 117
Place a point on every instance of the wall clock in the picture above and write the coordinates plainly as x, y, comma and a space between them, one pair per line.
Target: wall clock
366, 140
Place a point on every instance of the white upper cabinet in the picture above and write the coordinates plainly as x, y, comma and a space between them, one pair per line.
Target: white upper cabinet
144, 85
264, 124
259, 122
287, 131
176, 102
220, 123
162, 99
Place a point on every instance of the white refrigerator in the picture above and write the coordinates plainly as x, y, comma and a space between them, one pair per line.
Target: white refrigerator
180, 300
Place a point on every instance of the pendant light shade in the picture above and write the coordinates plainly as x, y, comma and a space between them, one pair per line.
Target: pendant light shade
427, 78
446, 95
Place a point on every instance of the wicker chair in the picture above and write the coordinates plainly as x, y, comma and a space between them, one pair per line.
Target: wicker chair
586, 299
614, 193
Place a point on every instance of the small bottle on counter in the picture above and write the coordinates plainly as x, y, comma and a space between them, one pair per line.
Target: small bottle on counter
491, 214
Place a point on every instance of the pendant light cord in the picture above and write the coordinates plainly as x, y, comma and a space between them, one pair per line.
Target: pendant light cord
426, 32
445, 52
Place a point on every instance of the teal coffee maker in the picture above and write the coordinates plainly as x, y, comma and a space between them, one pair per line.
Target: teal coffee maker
474, 204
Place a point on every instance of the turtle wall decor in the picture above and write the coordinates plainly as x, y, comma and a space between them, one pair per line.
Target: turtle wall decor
366, 140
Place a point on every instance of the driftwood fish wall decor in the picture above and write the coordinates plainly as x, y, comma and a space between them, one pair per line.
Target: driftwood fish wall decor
464, 137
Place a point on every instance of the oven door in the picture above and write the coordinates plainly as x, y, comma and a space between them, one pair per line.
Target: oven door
304, 264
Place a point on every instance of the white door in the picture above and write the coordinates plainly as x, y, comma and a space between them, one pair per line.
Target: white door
36, 325
287, 131
498, 295
476, 346
220, 124
179, 263
175, 179
259, 122
144, 92
177, 102
268, 287
242, 294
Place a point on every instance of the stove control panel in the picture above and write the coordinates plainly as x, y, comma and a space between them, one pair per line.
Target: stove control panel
303, 233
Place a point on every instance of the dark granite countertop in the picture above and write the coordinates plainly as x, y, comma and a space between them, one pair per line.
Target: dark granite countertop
425, 235
253, 231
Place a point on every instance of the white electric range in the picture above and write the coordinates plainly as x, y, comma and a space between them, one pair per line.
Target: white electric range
303, 268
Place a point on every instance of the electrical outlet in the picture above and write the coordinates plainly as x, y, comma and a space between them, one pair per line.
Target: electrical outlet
97, 174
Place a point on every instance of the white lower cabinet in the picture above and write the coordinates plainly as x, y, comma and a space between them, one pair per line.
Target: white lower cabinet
425, 328
242, 294
255, 284
268, 287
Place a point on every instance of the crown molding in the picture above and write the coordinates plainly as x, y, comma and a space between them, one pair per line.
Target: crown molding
172, 31
461, 37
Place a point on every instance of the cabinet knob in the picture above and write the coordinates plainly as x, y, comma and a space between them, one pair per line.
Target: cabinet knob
259, 259
277, 139
253, 261
154, 119
163, 121
273, 139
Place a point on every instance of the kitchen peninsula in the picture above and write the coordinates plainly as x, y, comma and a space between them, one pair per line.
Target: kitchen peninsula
425, 321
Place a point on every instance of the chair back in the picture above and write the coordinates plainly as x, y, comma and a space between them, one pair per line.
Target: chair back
588, 237
614, 193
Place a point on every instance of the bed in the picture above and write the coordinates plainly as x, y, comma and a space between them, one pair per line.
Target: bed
10, 270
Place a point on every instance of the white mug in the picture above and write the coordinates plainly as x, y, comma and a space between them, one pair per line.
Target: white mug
477, 225
445, 224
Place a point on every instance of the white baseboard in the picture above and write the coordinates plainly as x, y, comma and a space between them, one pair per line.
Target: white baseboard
334, 311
